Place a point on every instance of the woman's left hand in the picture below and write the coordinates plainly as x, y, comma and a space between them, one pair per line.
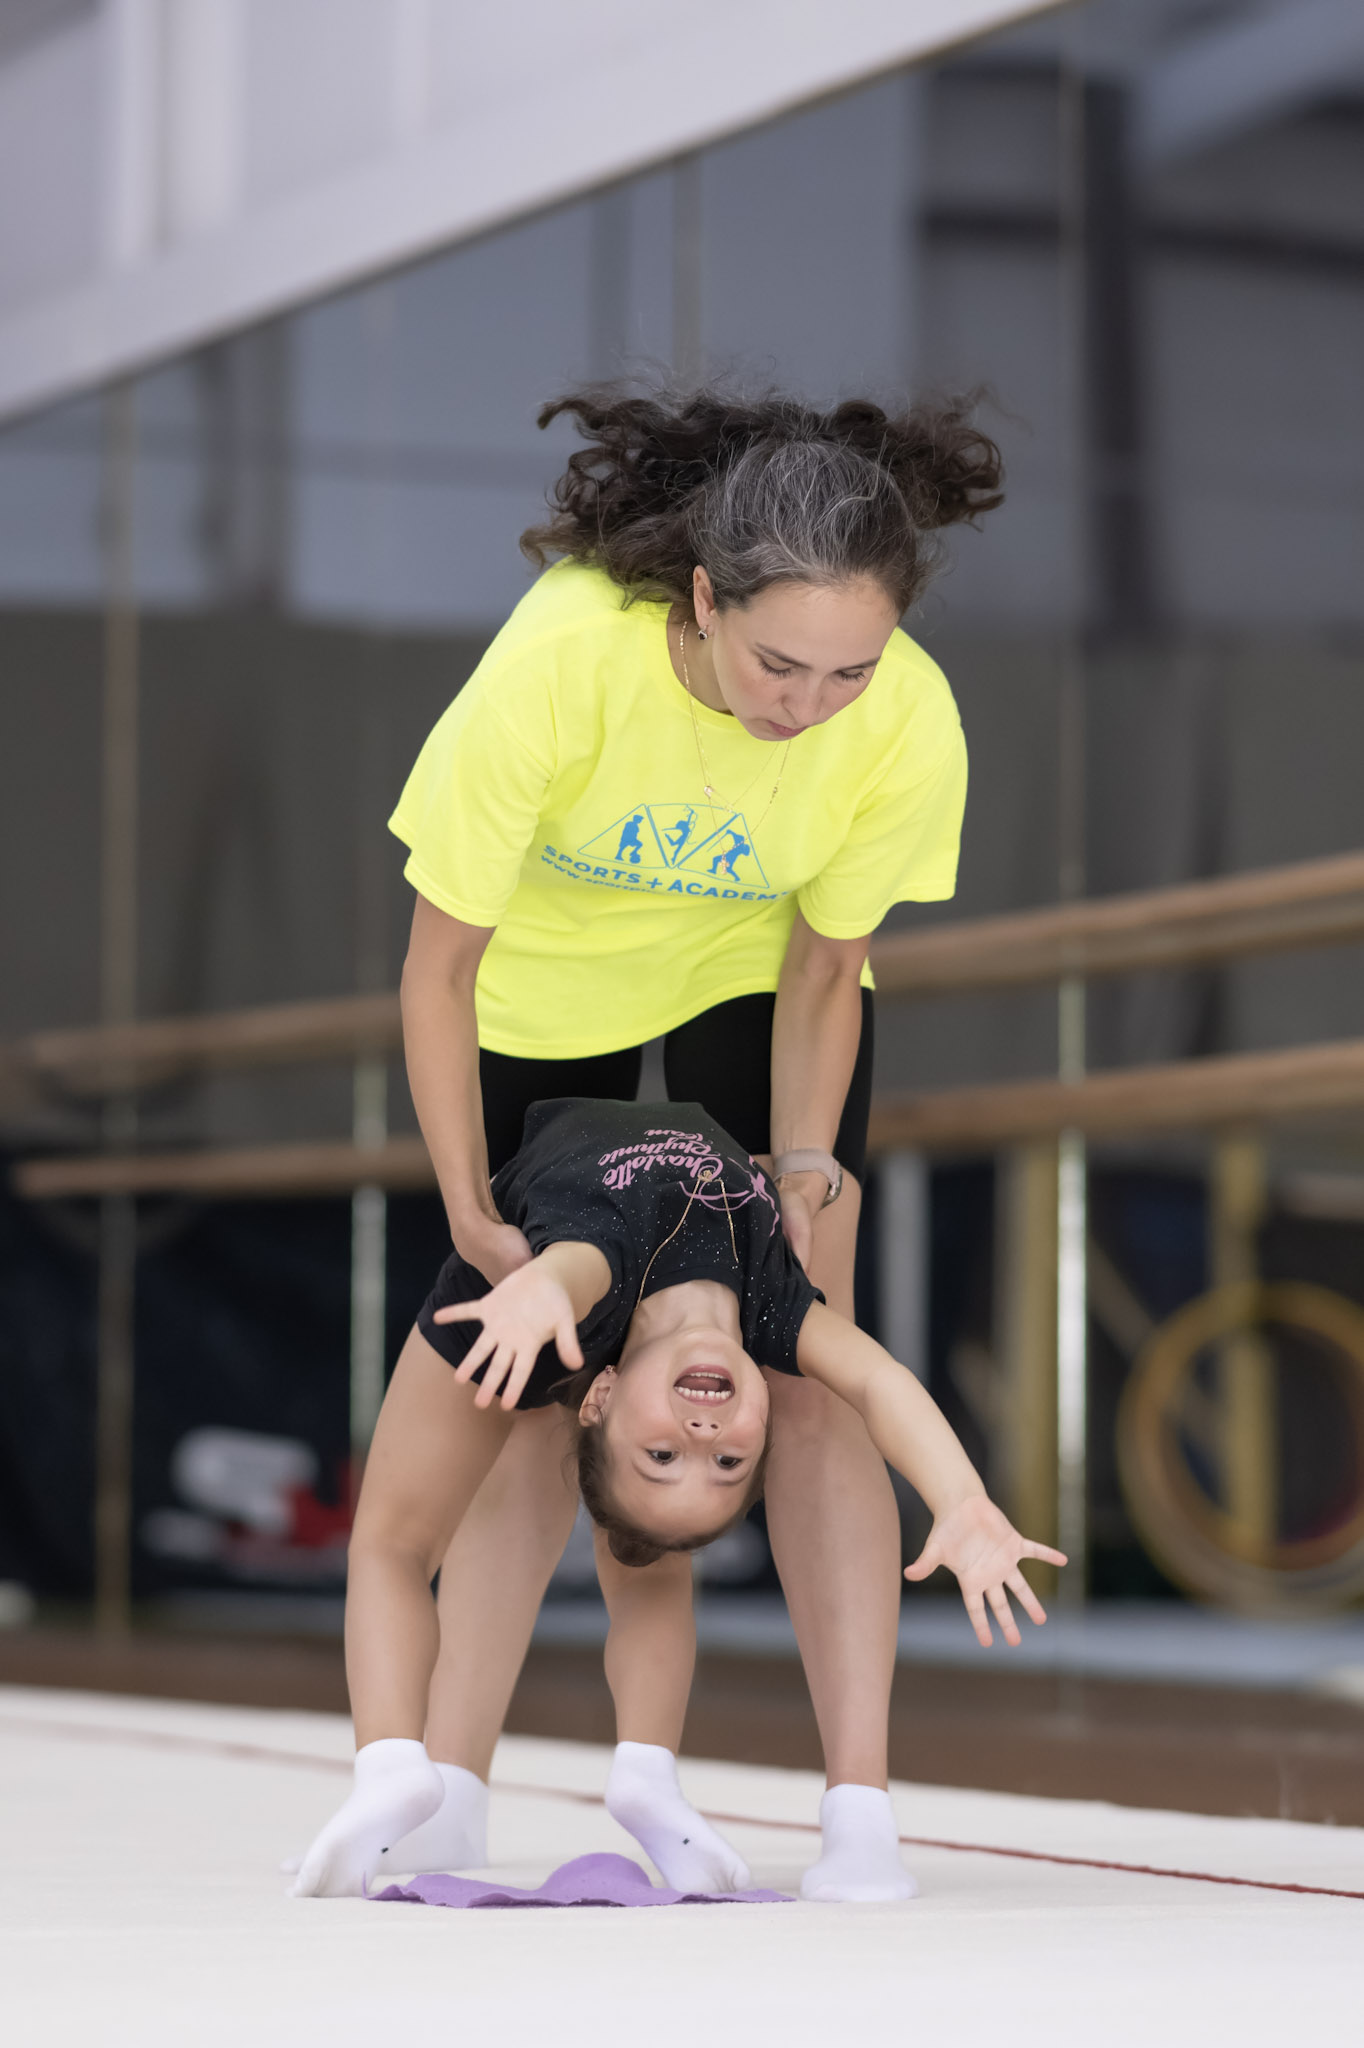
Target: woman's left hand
802, 1197
980, 1545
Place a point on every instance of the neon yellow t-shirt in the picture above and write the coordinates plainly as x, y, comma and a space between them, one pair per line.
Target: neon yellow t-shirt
560, 799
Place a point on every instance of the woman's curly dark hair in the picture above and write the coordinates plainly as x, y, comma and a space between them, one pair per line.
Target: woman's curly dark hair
759, 491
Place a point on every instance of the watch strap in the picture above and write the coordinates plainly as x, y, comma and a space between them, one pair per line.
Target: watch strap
810, 1159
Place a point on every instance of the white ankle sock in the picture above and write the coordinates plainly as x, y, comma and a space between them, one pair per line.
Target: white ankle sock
455, 1837
861, 1861
397, 1787
643, 1794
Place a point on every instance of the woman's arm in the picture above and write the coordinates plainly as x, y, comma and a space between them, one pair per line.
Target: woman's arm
440, 1039
970, 1535
816, 1029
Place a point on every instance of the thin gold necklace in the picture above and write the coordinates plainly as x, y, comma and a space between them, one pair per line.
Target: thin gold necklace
706, 1173
707, 785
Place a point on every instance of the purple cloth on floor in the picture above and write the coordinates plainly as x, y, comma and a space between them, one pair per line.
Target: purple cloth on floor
586, 1881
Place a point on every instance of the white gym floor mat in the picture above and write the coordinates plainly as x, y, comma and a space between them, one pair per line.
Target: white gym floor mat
142, 1905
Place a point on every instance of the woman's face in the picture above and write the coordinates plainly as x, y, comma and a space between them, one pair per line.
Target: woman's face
797, 653
685, 1422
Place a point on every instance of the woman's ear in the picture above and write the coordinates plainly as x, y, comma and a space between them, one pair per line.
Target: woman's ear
702, 600
597, 1399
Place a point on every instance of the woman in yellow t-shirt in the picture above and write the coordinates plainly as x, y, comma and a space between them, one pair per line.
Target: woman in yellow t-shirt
682, 789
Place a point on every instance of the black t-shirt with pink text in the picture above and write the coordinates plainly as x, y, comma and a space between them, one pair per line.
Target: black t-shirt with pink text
661, 1190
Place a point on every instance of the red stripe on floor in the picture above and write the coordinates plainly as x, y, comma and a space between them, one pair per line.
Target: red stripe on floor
254, 1752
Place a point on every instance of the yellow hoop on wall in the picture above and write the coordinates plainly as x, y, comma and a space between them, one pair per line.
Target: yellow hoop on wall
1196, 1543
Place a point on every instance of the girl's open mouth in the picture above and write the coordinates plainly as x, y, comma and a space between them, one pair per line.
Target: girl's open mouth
705, 1383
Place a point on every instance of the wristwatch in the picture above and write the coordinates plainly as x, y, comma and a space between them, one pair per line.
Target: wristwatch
811, 1161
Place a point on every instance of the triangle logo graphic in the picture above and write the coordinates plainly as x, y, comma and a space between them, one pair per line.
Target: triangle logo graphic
708, 840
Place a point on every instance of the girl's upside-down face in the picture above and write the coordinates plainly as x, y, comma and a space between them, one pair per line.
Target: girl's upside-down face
684, 1418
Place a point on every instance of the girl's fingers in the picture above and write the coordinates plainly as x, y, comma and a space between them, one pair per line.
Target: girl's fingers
1026, 1598
1003, 1613
461, 1312
474, 1357
566, 1341
975, 1608
926, 1562
1043, 1554
494, 1374
520, 1373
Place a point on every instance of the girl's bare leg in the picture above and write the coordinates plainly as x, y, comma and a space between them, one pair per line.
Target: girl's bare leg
492, 1579
432, 1450
650, 1645
650, 1656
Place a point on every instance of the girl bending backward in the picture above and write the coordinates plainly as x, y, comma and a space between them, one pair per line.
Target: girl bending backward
661, 1297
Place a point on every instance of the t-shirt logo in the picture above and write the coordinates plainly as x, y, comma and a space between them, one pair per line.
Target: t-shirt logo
669, 1149
710, 840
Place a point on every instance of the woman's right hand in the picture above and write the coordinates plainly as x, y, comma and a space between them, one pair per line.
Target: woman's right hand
492, 1247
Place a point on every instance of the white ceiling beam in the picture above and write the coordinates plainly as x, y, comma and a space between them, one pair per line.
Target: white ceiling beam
203, 113
412, 25
131, 73
513, 155
1216, 85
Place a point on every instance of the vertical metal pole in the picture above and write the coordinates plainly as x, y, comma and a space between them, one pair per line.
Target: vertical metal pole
902, 1258
688, 271
1072, 1307
1245, 1360
118, 1005
1025, 1277
369, 1097
1072, 1390
369, 1258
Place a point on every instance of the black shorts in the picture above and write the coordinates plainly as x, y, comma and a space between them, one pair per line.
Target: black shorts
721, 1059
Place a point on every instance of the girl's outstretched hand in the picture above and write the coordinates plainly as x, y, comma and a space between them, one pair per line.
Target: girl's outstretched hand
980, 1545
519, 1317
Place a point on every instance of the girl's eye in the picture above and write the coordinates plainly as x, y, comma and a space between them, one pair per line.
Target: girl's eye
768, 669
661, 1457
856, 675
727, 1463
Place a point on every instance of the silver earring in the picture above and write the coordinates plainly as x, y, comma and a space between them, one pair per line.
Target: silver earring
699, 634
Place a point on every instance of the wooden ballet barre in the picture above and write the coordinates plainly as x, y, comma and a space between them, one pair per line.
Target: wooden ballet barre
1235, 1088
1274, 910
1314, 903
1239, 1088
234, 1173
99, 1059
